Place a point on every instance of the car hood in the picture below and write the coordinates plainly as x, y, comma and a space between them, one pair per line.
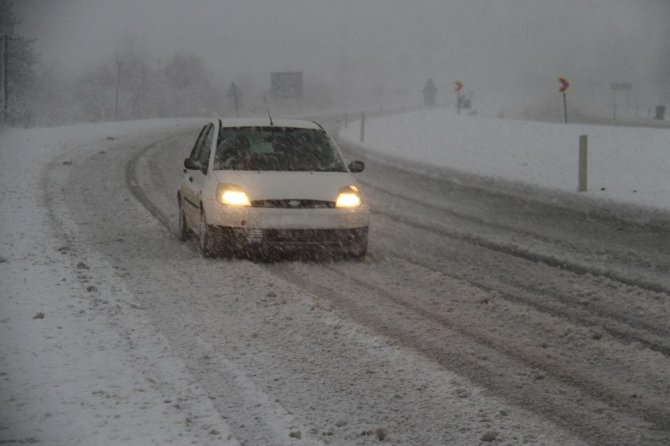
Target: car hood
287, 185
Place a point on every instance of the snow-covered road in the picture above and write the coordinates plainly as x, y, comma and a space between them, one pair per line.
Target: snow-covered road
477, 317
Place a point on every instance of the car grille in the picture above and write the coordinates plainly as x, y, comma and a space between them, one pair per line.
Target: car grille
313, 236
293, 204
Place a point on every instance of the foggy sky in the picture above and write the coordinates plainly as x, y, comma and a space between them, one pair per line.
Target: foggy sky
496, 47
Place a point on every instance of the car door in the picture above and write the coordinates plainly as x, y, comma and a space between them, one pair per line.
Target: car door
194, 180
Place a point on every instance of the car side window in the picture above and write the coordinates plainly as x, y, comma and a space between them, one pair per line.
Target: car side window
206, 146
198, 143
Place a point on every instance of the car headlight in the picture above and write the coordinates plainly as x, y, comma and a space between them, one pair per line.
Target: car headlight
348, 197
232, 195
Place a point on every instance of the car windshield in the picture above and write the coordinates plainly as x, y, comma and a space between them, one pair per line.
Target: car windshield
276, 149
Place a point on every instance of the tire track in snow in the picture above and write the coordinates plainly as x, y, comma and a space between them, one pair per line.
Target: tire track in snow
511, 249
615, 324
273, 422
579, 403
652, 339
133, 184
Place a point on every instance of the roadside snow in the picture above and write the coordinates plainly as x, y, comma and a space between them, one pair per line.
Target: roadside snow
81, 361
627, 165
71, 372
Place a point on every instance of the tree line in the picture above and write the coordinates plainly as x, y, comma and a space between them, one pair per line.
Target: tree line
130, 84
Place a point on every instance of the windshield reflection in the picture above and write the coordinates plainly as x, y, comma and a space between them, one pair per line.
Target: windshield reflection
276, 149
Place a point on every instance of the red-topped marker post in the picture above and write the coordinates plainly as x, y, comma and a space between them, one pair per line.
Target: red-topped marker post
564, 87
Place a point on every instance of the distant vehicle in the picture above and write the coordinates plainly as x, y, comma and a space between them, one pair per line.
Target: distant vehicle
277, 185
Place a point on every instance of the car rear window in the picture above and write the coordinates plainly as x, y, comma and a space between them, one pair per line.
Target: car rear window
276, 149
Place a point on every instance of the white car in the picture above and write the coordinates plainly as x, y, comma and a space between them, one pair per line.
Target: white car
282, 184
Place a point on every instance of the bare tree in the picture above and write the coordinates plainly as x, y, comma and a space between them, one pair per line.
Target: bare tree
18, 61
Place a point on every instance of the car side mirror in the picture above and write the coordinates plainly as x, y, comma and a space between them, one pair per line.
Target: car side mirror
356, 166
192, 164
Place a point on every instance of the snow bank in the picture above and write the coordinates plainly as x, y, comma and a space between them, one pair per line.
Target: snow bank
628, 165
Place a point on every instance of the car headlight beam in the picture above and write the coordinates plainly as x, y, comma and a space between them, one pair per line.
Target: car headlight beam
348, 197
232, 195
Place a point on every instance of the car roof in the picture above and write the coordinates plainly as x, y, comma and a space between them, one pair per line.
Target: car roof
265, 122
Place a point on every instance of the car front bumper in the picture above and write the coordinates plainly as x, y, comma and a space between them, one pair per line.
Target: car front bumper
288, 227
243, 238
278, 218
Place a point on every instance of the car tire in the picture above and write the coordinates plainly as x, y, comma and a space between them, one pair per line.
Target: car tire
183, 231
206, 242
225, 247
359, 249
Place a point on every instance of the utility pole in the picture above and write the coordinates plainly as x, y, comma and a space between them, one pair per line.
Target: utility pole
118, 79
5, 75
5, 71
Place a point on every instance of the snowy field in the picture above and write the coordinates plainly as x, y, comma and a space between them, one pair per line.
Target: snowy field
625, 164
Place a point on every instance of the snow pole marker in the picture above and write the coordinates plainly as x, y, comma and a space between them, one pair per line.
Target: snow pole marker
583, 163
564, 87
362, 126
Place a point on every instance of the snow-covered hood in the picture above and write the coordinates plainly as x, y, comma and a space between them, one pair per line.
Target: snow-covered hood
287, 185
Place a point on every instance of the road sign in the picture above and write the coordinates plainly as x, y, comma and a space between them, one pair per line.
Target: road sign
286, 85
564, 87
459, 86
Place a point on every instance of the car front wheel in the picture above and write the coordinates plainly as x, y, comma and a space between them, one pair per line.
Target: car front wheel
359, 248
184, 233
206, 238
